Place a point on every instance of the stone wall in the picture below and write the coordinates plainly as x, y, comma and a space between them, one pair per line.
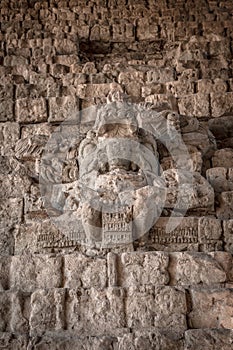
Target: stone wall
164, 292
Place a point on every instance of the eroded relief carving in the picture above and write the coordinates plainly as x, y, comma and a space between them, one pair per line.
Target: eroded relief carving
105, 186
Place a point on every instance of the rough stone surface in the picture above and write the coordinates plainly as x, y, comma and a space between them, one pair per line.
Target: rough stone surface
76, 278
211, 308
208, 339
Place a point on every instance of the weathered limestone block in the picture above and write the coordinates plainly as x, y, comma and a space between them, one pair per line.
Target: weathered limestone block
6, 92
194, 163
5, 262
179, 89
11, 211
59, 70
211, 308
195, 268
6, 241
209, 229
207, 86
47, 310
225, 260
160, 75
100, 33
9, 134
31, 110
183, 234
160, 307
123, 31
196, 105
150, 338
201, 140
13, 342
13, 312
217, 177
6, 110
65, 47
208, 339
34, 208
61, 108
34, 237
146, 29
222, 127
187, 190
162, 101
224, 210
221, 103
32, 130
95, 311
28, 273
14, 60
223, 158
71, 341
89, 91
16, 184
81, 271
5, 304
228, 235
141, 268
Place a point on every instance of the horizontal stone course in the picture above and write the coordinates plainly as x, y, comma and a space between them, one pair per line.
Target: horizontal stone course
27, 273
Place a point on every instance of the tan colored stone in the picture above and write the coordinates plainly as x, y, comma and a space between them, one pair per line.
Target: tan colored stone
81, 271
162, 307
221, 103
16, 184
190, 268
147, 29
14, 312
183, 234
47, 310
6, 110
61, 108
7, 241
217, 177
180, 88
208, 339
141, 268
65, 47
160, 75
228, 235
211, 308
31, 110
224, 210
209, 229
31, 272
71, 341
11, 211
207, 86
221, 127
195, 105
13, 342
9, 134
95, 311
150, 338
223, 158
5, 262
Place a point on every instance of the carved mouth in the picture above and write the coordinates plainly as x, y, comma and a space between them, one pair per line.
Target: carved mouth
119, 163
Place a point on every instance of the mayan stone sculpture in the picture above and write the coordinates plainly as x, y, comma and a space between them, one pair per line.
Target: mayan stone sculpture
116, 176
